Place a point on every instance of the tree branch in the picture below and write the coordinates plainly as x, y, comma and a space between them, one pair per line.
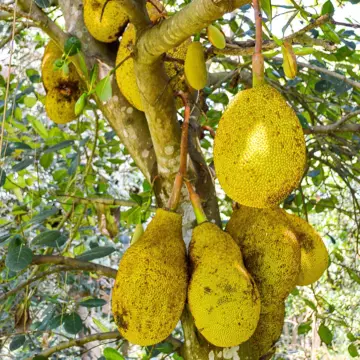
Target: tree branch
247, 47
74, 264
78, 342
186, 22
328, 129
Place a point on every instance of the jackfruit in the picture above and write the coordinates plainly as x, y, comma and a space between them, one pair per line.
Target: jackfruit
314, 255
125, 74
259, 149
60, 103
195, 67
222, 296
267, 333
151, 283
270, 250
216, 37
52, 78
104, 19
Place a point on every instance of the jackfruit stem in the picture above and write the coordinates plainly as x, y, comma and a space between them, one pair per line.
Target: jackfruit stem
258, 58
196, 204
174, 199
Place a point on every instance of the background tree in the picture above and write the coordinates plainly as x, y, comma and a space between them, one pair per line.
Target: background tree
73, 180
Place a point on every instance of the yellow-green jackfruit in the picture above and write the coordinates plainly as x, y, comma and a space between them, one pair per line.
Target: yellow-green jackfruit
195, 67
52, 78
104, 19
150, 287
125, 74
60, 103
216, 37
314, 255
270, 250
266, 334
222, 296
259, 149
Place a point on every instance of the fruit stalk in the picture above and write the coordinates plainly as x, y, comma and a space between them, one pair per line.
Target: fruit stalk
176, 191
196, 204
258, 58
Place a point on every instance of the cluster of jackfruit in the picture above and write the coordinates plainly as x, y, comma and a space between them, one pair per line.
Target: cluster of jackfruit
280, 251
63, 88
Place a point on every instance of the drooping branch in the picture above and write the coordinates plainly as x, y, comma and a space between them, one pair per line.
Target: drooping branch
247, 47
78, 342
328, 129
186, 22
74, 264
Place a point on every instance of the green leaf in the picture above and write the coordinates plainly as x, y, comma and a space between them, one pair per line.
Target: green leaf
80, 104
22, 165
59, 146
99, 324
19, 256
39, 357
353, 350
266, 6
43, 216
30, 101
51, 238
310, 304
55, 322
112, 354
328, 8
40, 128
72, 46
90, 303
17, 342
94, 74
2, 177
103, 89
96, 253
46, 160
82, 64
325, 334
72, 323
304, 328
353, 275
351, 336
43, 4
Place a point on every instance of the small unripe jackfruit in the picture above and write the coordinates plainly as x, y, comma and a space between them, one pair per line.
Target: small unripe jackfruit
195, 67
289, 60
216, 37
60, 103
314, 255
270, 250
52, 78
104, 19
259, 150
150, 287
222, 296
266, 334
125, 74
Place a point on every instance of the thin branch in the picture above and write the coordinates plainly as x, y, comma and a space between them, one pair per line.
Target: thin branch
74, 264
337, 126
38, 277
78, 342
355, 26
7, 39
104, 201
247, 47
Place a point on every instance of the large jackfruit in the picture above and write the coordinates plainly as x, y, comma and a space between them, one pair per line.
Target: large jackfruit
104, 19
52, 78
267, 333
195, 67
125, 74
150, 287
60, 103
222, 296
259, 150
270, 250
314, 255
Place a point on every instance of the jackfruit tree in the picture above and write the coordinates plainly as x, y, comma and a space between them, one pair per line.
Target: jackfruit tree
179, 179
